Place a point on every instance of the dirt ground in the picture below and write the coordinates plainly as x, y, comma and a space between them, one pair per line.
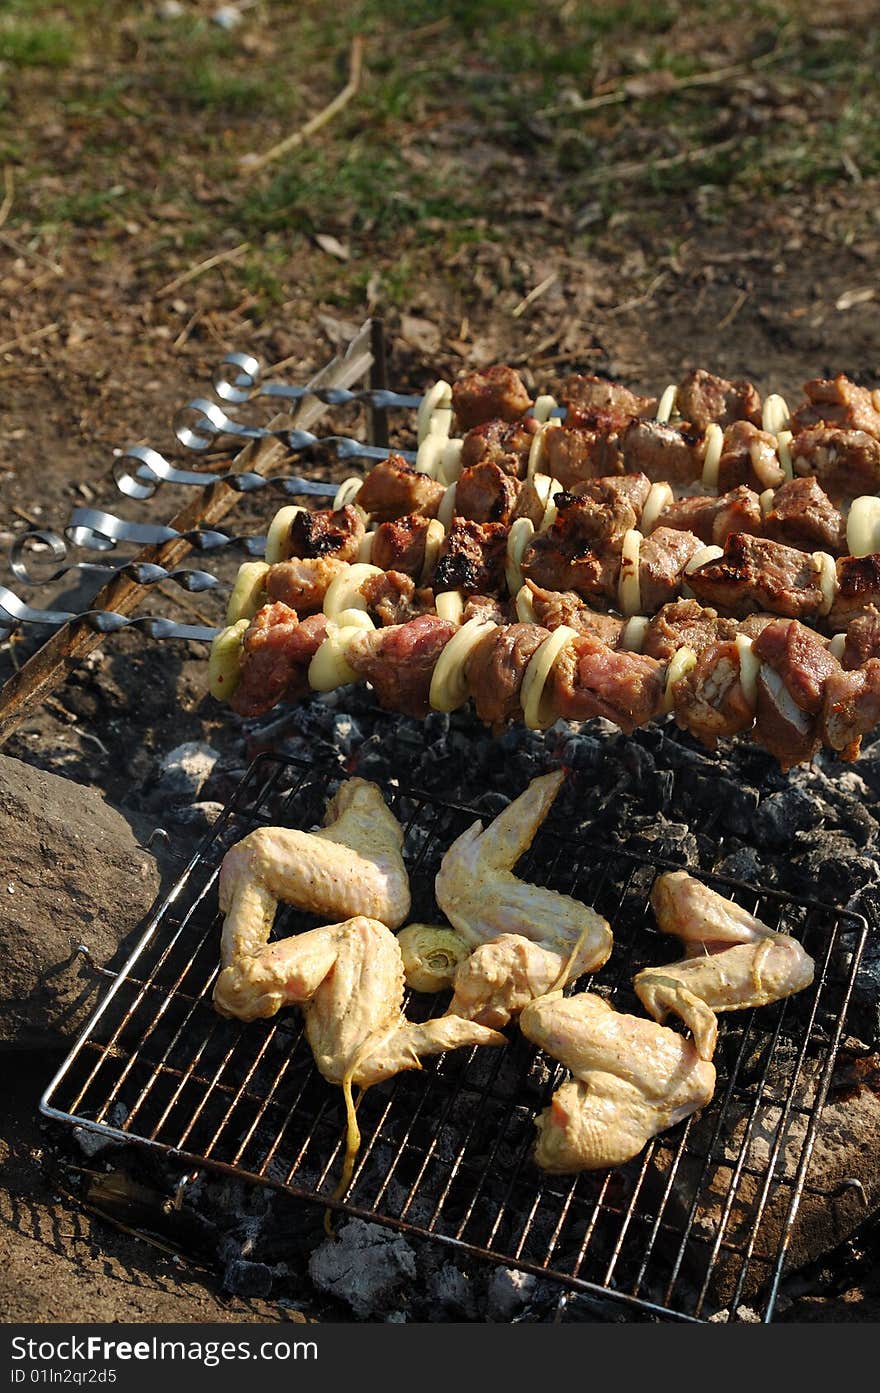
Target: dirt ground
630, 188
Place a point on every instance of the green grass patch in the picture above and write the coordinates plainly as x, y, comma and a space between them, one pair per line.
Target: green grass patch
25, 44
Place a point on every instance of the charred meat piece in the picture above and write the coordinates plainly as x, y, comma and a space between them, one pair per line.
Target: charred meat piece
838, 402
392, 598
862, 639
602, 510
851, 707
399, 661
393, 488
704, 398
574, 453
327, 533
710, 701
795, 667
846, 462
484, 493
858, 589
662, 559
756, 574
585, 396
302, 582
497, 393
495, 670
553, 608
685, 624
400, 545
505, 443
749, 456
472, 558
577, 553
590, 679
276, 654
665, 453
803, 516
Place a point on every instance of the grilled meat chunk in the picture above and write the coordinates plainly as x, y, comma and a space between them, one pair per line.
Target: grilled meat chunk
575, 452
662, 559
756, 574
326, 533
302, 582
862, 639
704, 398
399, 661
846, 462
803, 516
590, 679
473, 558
796, 666
858, 589
484, 493
529, 504
585, 396
710, 701
562, 558
553, 608
665, 453
713, 519
851, 707
685, 624
487, 607
505, 443
495, 670
749, 456
400, 545
839, 402
393, 488
497, 393
392, 598
618, 492
276, 654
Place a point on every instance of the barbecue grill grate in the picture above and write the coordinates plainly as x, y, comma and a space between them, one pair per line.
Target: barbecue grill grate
700, 1221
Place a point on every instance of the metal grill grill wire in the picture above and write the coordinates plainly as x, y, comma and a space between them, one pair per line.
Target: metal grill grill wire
700, 1221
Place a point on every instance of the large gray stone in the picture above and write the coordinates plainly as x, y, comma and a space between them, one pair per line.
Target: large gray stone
72, 871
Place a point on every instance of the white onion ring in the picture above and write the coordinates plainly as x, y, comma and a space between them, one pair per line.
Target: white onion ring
666, 404
449, 605
248, 592
659, 498
775, 416
449, 468
279, 533
430, 455
365, 549
446, 511
629, 591
836, 646
438, 396
863, 526
435, 535
826, 575
679, 666
783, 446
518, 538
344, 590
766, 501
535, 712
712, 457
699, 558
632, 635
348, 491
329, 667
449, 688
525, 607
544, 407
224, 660
538, 446
749, 667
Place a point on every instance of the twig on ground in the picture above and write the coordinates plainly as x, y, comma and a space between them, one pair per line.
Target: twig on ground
642, 299
734, 310
8, 193
533, 295
30, 337
200, 268
187, 329
21, 250
252, 162
631, 169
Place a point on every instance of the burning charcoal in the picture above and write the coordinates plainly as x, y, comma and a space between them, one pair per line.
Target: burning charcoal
449, 1292
508, 1293
830, 867
243, 1278
783, 814
364, 1266
745, 864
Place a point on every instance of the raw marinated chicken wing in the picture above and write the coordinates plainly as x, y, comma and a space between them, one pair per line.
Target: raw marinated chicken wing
632, 1079
353, 865
482, 898
501, 977
732, 960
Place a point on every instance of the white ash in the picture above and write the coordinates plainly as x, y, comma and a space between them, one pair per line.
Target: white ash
365, 1266
185, 770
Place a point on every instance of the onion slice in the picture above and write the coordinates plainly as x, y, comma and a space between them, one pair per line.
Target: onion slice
666, 404
536, 710
344, 590
518, 538
837, 646
248, 592
659, 498
525, 607
446, 511
783, 445
224, 660
826, 575
438, 397
632, 637
749, 667
449, 605
435, 534
449, 688
329, 667
449, 467
680, 665
628, 587
712, 456
538, 447
365, 549
348, 491
775, 416
544, 407
430, 455
278, 536
863, 526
